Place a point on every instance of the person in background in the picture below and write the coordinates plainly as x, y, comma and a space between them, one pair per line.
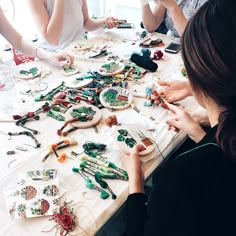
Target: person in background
194, 193
60, 22
175, 13
29, 48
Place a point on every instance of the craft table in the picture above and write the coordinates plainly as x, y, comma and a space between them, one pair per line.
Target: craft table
92, 211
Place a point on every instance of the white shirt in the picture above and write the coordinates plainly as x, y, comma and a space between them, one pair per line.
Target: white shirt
72, 28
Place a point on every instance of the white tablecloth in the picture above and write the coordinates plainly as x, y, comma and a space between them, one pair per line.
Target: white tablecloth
90, 209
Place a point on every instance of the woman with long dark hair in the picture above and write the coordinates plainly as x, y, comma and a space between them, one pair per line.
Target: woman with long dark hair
195, 194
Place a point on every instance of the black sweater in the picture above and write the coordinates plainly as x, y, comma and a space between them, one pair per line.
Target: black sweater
194, 194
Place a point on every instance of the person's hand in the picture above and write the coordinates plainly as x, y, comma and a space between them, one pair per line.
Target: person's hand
61, 60
132, 164
174, 91
182, 120
111, 22
201, 117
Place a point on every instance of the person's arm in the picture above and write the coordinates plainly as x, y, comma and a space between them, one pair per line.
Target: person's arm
136, 208
152, 18
176, 14
93, 24
49, 27
27, 47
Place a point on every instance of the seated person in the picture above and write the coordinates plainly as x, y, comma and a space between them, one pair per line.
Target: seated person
60, 22
162, 29
175, 13
28, 48
194, 194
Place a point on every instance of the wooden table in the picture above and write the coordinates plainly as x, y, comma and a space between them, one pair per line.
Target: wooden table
90, 209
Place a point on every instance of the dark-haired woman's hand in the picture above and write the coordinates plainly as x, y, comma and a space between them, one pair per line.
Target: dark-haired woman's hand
132, 164
175, 90
182, 120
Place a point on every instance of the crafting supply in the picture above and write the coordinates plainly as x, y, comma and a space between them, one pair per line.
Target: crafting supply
72, 143
27, 133
104, 184
158, 54
64, 134
50, 94
66, 220
144, 61
33, 116
93, 160
12, 152
142, 113
102, 163
54, 152
104, 195
67, 143
10, 163
89, 146
46, 157
111, 120
95, 128
21, 148
55, 116
91, 170
59, 131
107, 170
62, 157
